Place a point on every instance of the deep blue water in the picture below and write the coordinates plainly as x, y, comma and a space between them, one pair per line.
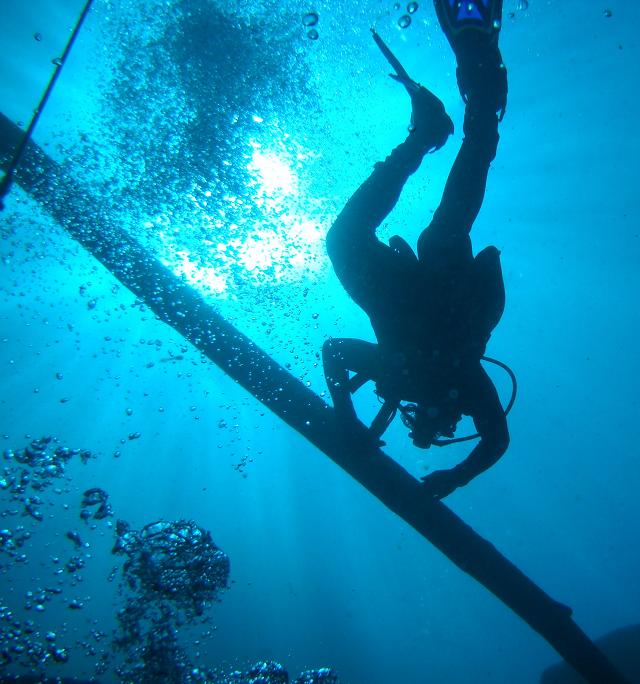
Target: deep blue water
226, 141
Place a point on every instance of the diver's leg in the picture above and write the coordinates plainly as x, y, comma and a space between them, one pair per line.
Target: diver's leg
366, 267
341, 355
464, 191
483, 84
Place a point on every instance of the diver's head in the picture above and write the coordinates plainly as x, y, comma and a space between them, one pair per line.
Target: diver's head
429, 422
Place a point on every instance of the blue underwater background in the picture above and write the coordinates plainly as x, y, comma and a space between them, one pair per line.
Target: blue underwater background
226, 138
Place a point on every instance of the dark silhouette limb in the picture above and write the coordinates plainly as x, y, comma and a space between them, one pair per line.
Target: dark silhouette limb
187, 312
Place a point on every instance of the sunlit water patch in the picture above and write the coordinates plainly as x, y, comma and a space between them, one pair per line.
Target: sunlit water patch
266, 237
204, 122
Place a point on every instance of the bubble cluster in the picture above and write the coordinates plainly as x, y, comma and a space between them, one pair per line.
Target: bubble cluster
22, 644
26, 478
173, 561
172, 571
268, 671
322, 676
12, 540
309, 21
271, 672
95, 497
33, 469
405, 20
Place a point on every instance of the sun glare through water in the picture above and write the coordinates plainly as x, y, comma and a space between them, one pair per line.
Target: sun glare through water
273, 237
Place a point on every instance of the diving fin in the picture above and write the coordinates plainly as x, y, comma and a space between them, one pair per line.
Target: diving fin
401, 74
428, 116
472, 28
457, 15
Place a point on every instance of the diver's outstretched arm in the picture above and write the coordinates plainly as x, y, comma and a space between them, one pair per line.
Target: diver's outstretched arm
491, 424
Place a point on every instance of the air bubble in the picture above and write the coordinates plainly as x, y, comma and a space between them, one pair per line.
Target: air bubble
37, 36
310, 19
57, 61
404, 21
523, 5
412, 7
313, 34
497, 24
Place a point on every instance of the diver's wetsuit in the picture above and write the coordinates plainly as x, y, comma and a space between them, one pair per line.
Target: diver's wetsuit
432, 315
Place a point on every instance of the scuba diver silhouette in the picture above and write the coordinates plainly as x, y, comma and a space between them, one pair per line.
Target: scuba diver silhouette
433, 313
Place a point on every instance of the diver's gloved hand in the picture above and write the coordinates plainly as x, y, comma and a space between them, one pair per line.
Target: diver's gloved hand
429, 120
440, 483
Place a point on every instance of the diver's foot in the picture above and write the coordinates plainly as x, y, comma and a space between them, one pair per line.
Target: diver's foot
429, 120
473, 29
